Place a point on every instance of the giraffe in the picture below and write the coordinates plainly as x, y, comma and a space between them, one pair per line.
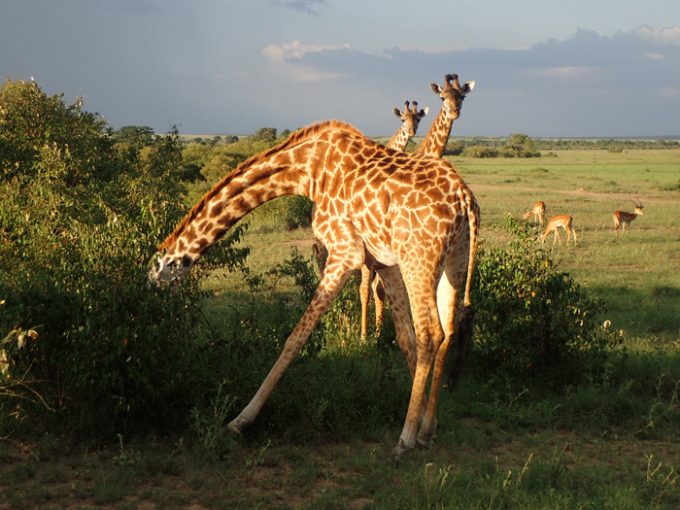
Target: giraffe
452, 96
410, 119
399, 214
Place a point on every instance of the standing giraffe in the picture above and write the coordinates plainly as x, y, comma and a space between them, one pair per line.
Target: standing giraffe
410, 119
399, 214
452, 96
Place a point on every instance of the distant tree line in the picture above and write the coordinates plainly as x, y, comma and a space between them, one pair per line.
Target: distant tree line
521, 145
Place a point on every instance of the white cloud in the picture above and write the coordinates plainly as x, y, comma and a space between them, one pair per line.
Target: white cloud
655, 56
305, 6
564, 71
669, 92
666, 35
286, 58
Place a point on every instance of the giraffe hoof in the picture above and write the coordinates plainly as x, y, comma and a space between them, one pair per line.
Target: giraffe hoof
399, 450
235, 427
424, 441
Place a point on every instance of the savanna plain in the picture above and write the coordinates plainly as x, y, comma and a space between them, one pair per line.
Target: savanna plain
611, 441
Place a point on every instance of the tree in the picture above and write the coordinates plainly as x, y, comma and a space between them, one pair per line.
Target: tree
35, 128
520, 145
138, 136
265, 134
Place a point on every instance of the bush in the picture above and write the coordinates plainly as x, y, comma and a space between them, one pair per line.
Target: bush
80, 220
534, 323
477, 151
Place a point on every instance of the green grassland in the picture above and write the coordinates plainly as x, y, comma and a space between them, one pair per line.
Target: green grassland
637, 274
592, 447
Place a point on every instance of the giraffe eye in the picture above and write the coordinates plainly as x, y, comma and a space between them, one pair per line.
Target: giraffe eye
186, 261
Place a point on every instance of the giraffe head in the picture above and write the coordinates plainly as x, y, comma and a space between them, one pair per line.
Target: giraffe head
411, 117
452, 94
169, 267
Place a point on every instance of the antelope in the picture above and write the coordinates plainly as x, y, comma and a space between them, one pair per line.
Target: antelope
537, 212
622, 219
561, 220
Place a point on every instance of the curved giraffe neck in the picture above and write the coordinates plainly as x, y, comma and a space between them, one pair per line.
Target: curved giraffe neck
437, 136
282, 170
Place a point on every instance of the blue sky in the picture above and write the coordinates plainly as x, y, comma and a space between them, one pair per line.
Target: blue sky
542, 67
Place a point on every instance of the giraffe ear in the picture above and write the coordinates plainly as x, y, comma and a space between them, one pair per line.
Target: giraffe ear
423, 112
469, 86
435, 88
397, 112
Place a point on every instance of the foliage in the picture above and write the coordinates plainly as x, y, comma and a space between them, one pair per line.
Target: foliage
534, 323
80, 218
516, 146
496, 145
265, 134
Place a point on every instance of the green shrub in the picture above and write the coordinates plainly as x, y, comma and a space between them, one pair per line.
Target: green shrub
77, 231
534, 323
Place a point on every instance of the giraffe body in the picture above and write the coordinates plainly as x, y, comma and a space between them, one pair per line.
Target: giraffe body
399, 214
370, 281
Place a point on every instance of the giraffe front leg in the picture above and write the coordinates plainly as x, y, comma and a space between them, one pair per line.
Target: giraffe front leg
335, 275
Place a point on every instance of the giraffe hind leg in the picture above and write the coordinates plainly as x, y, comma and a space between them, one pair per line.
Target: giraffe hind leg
379, 300
397, 297
457, 330
429, 336
365, 297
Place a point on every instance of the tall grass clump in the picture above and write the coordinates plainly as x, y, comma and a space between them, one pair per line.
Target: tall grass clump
81, 215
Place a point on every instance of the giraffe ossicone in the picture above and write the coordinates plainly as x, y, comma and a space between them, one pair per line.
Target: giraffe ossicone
401, 214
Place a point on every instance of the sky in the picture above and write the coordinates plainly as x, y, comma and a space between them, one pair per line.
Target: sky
546, 68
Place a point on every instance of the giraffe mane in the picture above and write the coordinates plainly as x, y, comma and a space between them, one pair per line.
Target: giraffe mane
293, 139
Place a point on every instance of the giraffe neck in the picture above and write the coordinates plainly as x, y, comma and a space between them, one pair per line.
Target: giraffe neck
400, 139
287, 169
436, 138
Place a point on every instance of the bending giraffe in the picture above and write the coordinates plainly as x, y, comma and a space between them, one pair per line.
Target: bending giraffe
400, 214
410, 119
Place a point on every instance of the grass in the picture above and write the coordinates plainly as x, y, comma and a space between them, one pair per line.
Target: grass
612, 444
635, 274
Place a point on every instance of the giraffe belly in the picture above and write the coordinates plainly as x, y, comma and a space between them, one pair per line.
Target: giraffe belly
378, 255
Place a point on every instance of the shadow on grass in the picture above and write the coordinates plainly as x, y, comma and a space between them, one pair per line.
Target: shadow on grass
642, 312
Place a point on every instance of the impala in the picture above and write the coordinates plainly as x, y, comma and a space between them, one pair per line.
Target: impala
622, 219
537, 212
561, 220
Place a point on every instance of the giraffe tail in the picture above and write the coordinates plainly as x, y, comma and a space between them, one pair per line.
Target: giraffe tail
465, 321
